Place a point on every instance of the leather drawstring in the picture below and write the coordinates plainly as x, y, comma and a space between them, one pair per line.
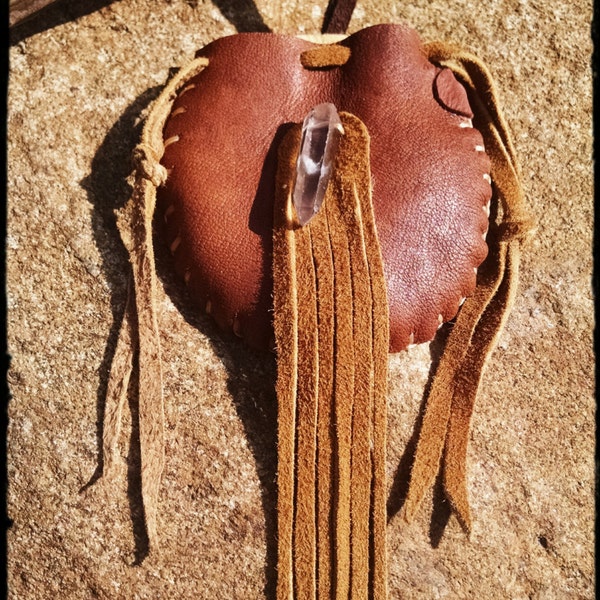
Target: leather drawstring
139, 332
337, 16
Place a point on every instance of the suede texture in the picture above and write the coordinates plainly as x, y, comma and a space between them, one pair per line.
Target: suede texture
332, 383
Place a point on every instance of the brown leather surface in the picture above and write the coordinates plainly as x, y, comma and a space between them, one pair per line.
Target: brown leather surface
429, 192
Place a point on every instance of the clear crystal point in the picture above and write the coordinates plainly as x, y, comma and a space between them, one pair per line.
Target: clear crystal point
321, 134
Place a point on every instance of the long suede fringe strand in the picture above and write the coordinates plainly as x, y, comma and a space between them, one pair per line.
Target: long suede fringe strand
445, 429
332, 334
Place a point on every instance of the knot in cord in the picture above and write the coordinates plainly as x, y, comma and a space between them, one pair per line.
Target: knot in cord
147, 165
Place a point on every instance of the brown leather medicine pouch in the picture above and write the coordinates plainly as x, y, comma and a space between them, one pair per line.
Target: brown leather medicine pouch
398, 248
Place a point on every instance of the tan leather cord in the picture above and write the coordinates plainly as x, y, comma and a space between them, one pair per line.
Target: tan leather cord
305, 533
323, 257
446, 423
118, 384
139, 328
135, 225
381, 340
343, 400
331, 328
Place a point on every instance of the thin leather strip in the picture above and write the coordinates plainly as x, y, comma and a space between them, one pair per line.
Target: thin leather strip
343, 395
139, 328
362, 426
332, 335
307, 399
135, 225
285, 304
322, 254
446, 422
116, 391
337, 16
381, 340
346, 398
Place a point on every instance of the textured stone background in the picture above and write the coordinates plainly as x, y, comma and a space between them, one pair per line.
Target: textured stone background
78, 85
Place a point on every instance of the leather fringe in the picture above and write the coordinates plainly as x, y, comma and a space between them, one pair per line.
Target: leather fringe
332, 335
139, 333
445, 429
332, 379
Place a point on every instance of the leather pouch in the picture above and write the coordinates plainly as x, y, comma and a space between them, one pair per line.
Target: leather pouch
430, 171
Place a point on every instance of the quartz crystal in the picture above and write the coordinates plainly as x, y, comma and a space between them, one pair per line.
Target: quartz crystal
321, 134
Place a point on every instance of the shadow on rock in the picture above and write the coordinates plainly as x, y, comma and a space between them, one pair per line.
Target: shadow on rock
243, 15
52, 15
108, 191
251, 376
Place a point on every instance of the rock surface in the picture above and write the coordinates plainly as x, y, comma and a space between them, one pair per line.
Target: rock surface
79, 83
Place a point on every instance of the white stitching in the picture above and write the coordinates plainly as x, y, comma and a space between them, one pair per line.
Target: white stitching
170, 210
175, 244
171, 140
187, 88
